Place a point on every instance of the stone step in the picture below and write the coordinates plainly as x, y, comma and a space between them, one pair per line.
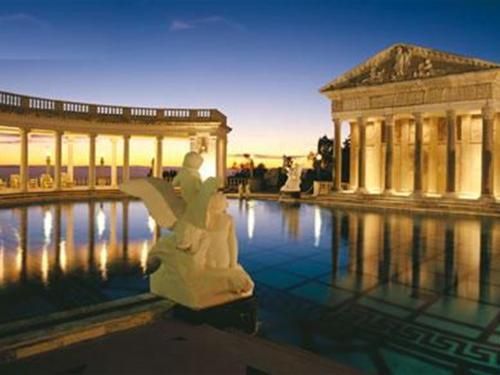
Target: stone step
39, 335
170, 346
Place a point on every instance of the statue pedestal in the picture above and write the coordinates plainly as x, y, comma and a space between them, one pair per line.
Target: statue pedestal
241, 314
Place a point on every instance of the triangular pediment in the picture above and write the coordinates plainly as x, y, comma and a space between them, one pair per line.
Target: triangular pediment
403, 62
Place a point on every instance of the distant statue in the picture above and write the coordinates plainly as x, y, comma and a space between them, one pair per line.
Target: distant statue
196, 265
403, 56
292, 183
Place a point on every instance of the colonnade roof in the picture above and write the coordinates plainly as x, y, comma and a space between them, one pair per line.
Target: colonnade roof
65, 115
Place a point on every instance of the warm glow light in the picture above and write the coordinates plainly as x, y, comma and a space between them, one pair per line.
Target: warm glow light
47, 226
317, 226
208, 167
103, 261
251, 219
63, 257
101, 222
144, 255
45, 264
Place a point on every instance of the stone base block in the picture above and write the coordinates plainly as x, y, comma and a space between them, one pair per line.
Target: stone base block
241, 314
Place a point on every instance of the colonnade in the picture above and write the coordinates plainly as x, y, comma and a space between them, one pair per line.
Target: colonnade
214, 146
426, 134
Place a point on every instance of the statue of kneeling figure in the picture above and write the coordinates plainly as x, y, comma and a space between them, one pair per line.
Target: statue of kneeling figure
196, 265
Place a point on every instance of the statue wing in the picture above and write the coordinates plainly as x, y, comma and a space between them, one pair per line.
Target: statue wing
196, 211
163, 204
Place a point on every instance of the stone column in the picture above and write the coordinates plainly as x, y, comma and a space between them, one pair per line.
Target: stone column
193, 143
451, 140
114, 174
126, 158
91, 174
221, 156
24, 167
362, 157
417, 156
159, 156
337, 182
58, 160
487, 154
70, 171
389, 153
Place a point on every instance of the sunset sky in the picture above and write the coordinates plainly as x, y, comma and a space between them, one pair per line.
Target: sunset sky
259, 62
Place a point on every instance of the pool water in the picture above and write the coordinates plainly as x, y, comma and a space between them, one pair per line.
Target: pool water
380, 291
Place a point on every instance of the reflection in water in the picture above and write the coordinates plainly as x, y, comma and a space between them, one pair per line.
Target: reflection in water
47, 232
291, 219
45, 265
144, 255
417, 269
250, 218
103, 261
450, 255
101, 221
63, 257
317, 226
2, 271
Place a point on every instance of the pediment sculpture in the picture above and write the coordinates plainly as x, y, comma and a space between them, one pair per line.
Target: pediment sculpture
403, 62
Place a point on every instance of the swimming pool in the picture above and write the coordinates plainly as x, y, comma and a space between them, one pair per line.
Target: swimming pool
381, 291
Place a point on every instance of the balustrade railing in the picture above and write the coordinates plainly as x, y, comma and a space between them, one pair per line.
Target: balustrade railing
9, 101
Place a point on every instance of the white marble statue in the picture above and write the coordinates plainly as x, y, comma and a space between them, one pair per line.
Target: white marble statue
292, 183
195, 265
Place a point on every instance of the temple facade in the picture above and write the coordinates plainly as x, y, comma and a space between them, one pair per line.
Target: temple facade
423, 123
24, 117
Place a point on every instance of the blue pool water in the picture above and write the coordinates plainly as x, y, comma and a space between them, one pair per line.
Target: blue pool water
380, 291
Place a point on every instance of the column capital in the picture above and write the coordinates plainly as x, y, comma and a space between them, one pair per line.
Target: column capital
417, 116
159, 138
24, 130
336, 120
93, 135
360, 120
488, 112
451, 113
389, 119
126, 136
